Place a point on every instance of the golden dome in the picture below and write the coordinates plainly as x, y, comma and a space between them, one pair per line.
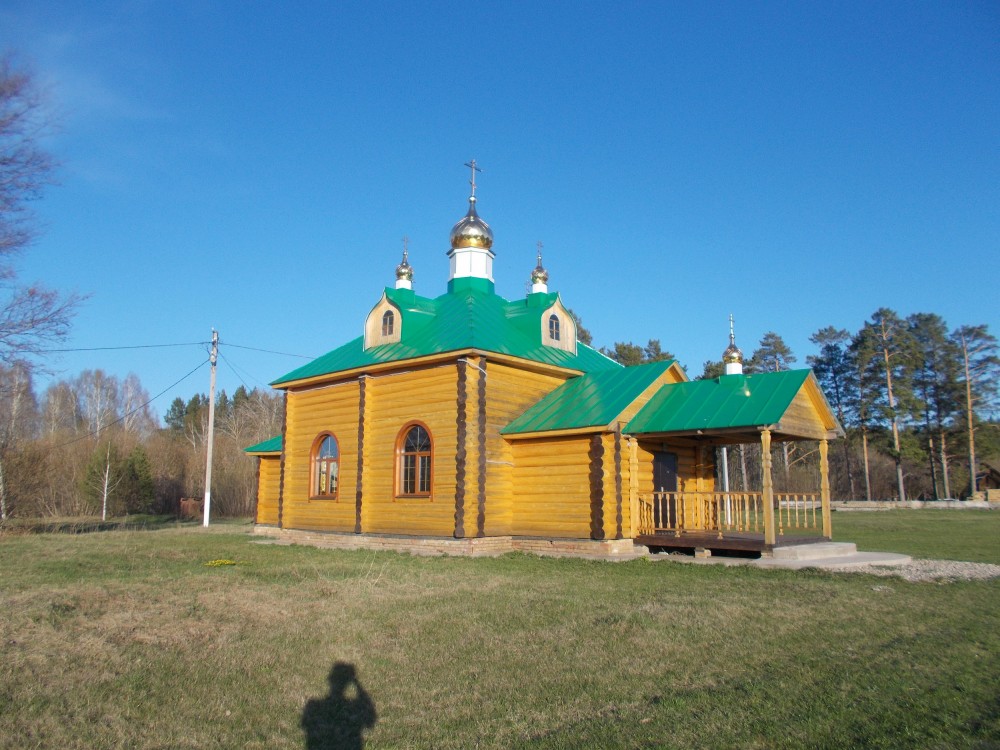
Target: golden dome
404, 270
539, 275
471, 231
732, 355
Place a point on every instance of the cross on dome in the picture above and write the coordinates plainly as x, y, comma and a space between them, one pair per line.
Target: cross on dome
472, 165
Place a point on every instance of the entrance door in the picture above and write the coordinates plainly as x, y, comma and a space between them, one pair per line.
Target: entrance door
665, 480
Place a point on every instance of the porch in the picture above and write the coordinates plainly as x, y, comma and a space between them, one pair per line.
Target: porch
731, 521
696, 507
743, 521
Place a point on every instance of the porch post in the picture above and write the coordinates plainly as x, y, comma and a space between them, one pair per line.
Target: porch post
768, 488
633, 486
824, 488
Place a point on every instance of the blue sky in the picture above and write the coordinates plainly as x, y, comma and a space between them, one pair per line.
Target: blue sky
254, 166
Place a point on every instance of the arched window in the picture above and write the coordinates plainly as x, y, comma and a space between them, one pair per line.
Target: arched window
325, 466
414, 461
388, 323
554, 327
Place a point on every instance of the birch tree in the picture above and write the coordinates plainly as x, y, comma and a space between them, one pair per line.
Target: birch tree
31, 316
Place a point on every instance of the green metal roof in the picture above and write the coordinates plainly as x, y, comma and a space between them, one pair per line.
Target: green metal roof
591, 400
469, 316
725, 402
271, 445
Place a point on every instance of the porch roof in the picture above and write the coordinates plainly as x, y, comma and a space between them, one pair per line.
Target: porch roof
788, 402
271, 445
593, 400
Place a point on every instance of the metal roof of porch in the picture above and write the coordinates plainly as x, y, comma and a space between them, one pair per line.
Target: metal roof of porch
591, 400
729, 403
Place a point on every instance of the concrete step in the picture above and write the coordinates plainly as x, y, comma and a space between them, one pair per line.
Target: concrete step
852, 560
814, 551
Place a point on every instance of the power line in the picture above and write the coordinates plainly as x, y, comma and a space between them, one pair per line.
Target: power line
235, 371
114, 348
163, 346
268, 351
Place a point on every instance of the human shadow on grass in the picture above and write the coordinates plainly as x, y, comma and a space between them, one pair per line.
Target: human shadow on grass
338, 721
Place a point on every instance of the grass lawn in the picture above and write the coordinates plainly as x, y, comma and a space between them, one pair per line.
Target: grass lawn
123, 639
970, 535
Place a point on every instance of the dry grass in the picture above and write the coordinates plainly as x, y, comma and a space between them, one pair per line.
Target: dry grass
127, 639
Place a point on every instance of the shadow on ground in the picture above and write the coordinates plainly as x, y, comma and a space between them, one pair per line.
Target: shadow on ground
338, 720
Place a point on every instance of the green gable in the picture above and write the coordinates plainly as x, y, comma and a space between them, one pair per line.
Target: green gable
591, 400
721, 403
271, 445
469, 316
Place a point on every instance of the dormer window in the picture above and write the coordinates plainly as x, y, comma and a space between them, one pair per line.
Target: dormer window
384, 324
558, 329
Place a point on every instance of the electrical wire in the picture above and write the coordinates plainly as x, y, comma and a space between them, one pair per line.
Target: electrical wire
267, 351
115, 348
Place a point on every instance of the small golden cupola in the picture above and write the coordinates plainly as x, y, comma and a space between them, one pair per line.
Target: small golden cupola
539, 276
732, 358
471, 253
404, 271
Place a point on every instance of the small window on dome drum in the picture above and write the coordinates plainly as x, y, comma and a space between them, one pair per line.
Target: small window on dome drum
554, 327
388, 323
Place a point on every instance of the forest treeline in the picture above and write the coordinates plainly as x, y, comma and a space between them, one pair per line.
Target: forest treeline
917, 401
91, 445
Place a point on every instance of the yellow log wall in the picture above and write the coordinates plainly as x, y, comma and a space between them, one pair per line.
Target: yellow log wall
428, 395
310, 412
509, 392
552, 487
269, 474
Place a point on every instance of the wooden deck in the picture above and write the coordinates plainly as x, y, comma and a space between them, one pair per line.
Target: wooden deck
730, 541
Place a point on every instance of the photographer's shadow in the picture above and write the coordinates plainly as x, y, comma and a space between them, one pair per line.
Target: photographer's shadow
338, 721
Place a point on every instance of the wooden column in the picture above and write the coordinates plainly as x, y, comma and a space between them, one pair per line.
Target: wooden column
633, 486
768, 488
824, 488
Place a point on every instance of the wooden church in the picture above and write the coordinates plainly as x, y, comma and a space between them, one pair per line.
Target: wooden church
475, 424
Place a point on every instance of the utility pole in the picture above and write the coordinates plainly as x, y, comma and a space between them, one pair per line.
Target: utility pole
211, 428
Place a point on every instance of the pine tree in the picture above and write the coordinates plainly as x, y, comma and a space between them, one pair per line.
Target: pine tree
936, 389
893, 350
834, 372
772, 355
981, 369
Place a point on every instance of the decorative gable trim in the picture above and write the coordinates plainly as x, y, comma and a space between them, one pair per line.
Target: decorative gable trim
558, 328
384, 324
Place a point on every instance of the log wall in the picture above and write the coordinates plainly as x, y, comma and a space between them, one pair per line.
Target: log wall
552, 487
427, 395
268, 477
309, 413
509, 393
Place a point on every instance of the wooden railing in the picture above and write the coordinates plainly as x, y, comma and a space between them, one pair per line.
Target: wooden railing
722, 512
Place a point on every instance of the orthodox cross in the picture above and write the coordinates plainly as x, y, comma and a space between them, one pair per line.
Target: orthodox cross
406, 241
540, 246
732, 334
472, 165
